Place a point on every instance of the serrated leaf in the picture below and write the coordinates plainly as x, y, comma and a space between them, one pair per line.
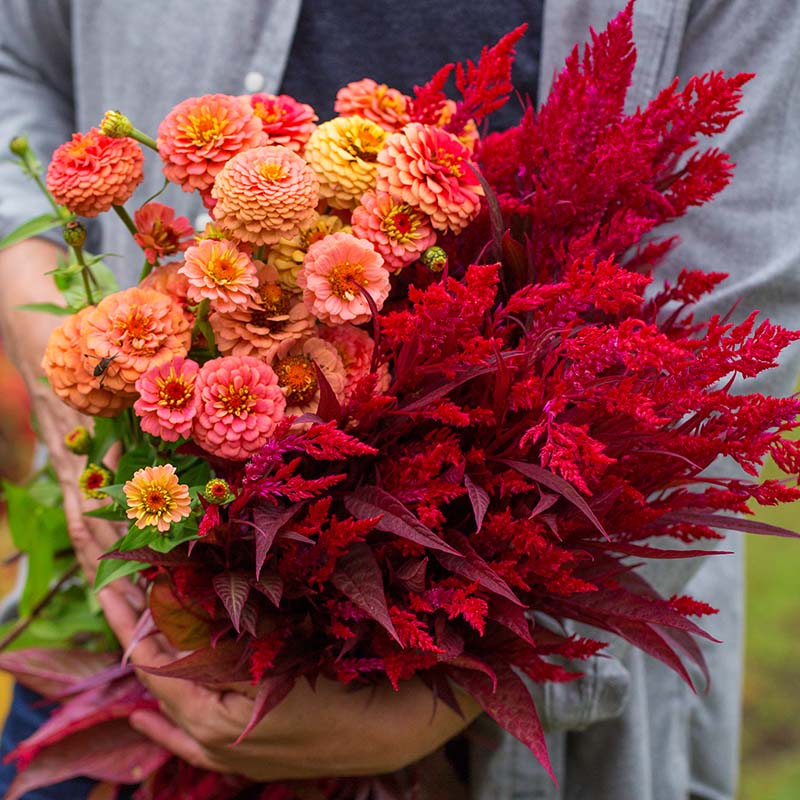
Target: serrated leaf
33, 227
358, 577
233, 588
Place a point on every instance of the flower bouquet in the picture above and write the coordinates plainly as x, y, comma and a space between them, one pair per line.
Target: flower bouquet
408, 406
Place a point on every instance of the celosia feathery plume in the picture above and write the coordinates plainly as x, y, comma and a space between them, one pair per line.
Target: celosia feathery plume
200, 134
93, 172
430, 169
239, 406
220, 272
398, 231
137, 329
265, 194
374, 101
285, 120
342, 153
297, 375
337, 271
70, 372
166, 404
155, 497
160, 233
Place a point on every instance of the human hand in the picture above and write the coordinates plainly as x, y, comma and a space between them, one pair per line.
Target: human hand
324, 732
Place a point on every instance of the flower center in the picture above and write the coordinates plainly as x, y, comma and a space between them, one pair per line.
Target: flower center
77, 149
272, 172
401, 222
388, 100
450, 161
346, 280
235, 400
297, 376
156, 499
364, 142
222, 267
137, 327
173, 392
95, 480
269, 114
274, 300
203, 128
164, 238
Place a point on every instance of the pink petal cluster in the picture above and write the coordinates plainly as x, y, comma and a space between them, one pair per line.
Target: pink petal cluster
355, 348
166, 403
335, 271
160, 233
201, 134
93, 172
430, 169
373, 101
168, 279
398, 231
239, 406
220, 272
265, 194
285, 120
137, 329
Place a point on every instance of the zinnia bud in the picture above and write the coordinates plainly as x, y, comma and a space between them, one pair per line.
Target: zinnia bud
74, 234
116, 125
19, 146
218, 492
434, 258
93, 479
78, 441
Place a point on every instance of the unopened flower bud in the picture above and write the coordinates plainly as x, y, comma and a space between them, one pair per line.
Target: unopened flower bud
116, 125
218, 492
19, 146
93, 479
74, 234
434, 258
78, 440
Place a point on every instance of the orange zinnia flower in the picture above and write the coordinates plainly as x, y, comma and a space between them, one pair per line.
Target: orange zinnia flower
156, 498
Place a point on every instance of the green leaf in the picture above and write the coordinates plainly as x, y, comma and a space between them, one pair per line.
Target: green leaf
112, 512
33, 227
140, 456
106, 432
49, 308
178, 534
72, 289
110, 569
137, 537
116, 494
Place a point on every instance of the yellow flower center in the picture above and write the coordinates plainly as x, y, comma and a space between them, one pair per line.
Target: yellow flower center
297, 377
450, 161
78, 149
272, 172
364, 141
156, 500
345, 280
163, 237
274, 300
137, 328
222, 267
236, 401
203, 127
389, 100
401, 222
269, 114
173, 391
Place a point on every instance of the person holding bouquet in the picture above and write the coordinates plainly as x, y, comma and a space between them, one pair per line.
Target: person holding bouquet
627, 729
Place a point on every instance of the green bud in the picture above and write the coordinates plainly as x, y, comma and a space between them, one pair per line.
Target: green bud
116, 125
434, 258
19, 146
218, 492
78, 440
74, 234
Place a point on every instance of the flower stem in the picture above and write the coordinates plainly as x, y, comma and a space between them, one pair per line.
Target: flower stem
126, 218
85, 273
147, 268
144, 139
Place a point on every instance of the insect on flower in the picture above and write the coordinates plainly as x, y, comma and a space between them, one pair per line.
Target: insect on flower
102, 366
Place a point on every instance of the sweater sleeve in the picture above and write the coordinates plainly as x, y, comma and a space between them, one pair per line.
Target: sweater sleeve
36, 98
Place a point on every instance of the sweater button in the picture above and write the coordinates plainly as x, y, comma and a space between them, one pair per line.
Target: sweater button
253, 82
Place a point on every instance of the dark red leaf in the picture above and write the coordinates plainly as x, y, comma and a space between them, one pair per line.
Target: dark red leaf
226, 663
270, 584
233, 588
271, 691
329, 407
479, 500
267, 521
728, 523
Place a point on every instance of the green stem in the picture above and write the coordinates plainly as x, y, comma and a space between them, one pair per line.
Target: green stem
85, 273
125, 217
144, 139
147, 268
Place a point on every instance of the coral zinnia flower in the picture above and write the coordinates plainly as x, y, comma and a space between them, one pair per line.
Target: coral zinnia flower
71, 373
156, 498
342, 152
201, 134
373, 101
92, 480
265, 194
335, 271
285, 120
167, 403
297, 375
429, 168
240, 404
355, 348
288, 254
93, 172
221, 272
138, 329
160, 233
398, 231
168, 279
268, 326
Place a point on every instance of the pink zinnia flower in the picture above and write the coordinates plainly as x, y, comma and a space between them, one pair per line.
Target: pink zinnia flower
156, 498
335, 271
285, 120
201, 134
166, 403
431, 169
93, 172
373, 101
265, 194
239, 406
398, 231
355, 348
220, 272
160, 233
297, 375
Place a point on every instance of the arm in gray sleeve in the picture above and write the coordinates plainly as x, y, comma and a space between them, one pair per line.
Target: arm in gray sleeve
36, 98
